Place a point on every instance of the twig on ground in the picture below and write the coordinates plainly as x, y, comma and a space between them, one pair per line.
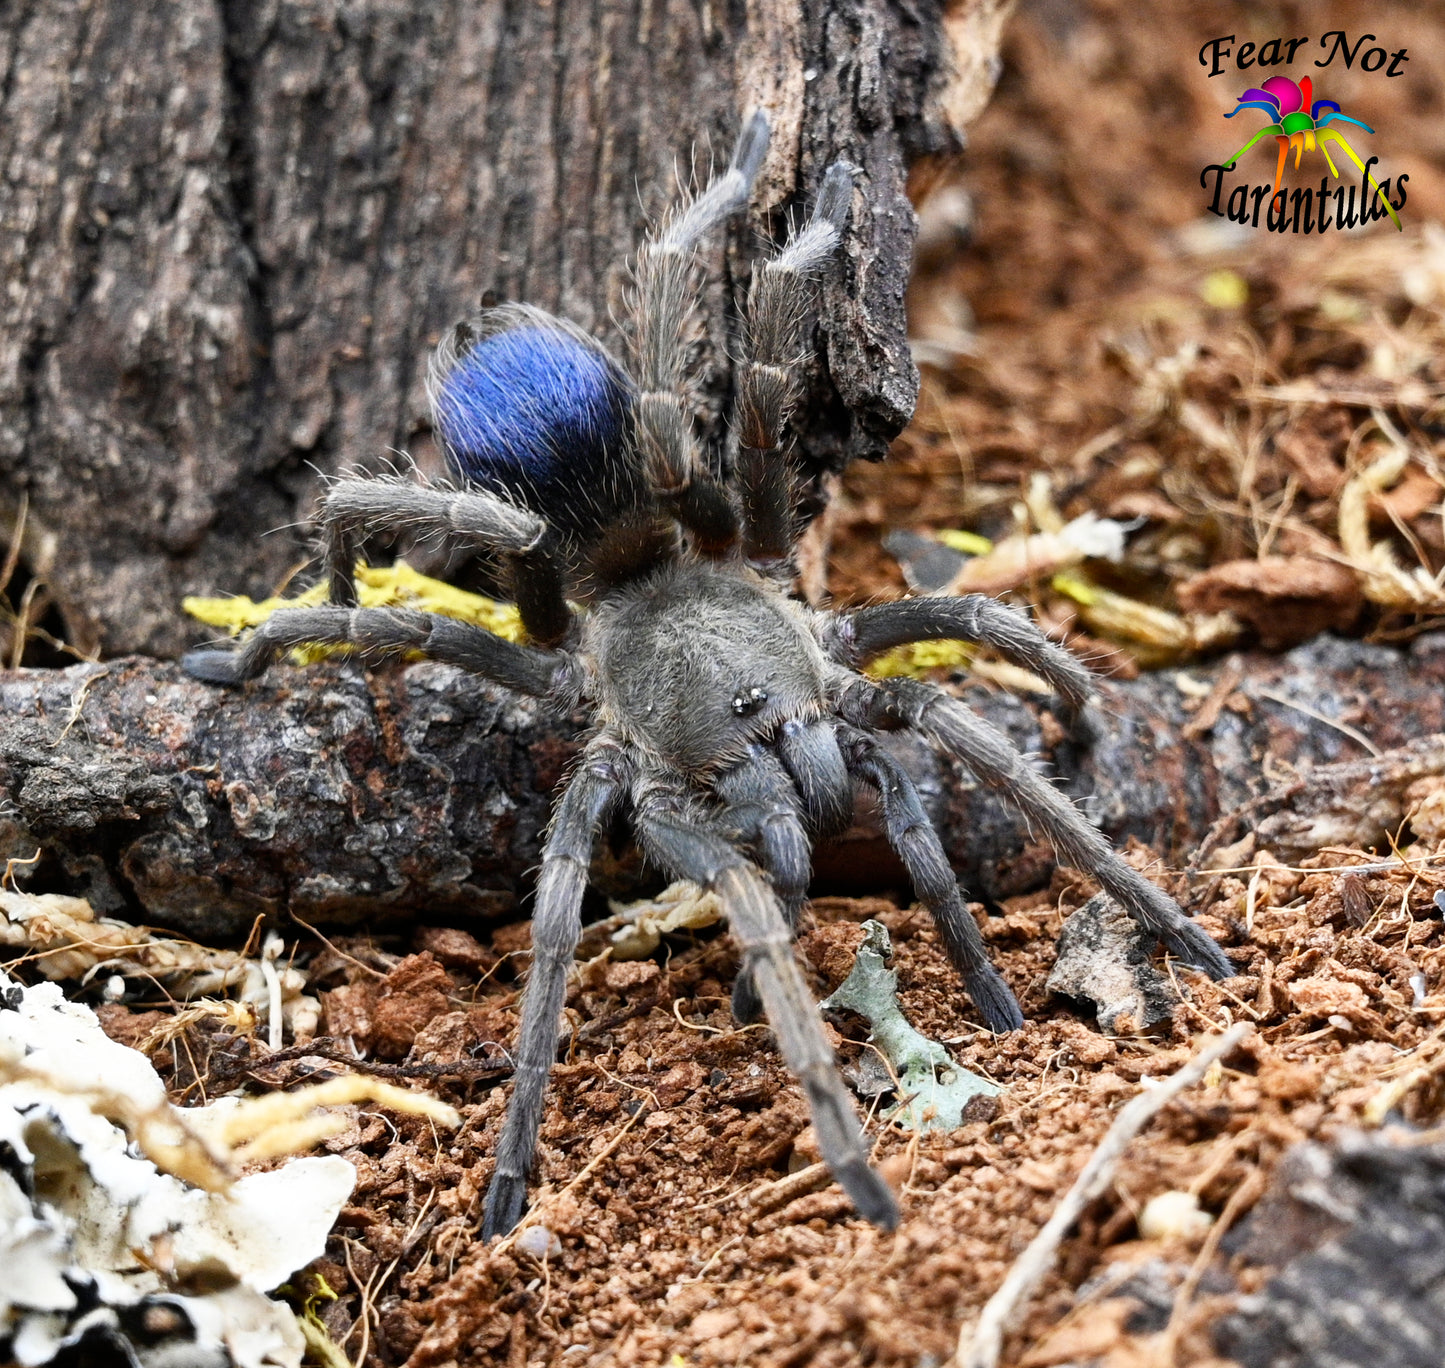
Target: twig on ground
230, 1070
291, 1122
780, 1193
270, 952
17, 542
1393, 1093
1354, 733
77, 704
338, 951
980, 1344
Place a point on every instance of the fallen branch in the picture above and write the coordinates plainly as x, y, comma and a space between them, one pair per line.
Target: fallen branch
344, 795
980, 1344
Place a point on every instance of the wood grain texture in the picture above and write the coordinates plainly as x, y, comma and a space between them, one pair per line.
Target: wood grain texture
232, 232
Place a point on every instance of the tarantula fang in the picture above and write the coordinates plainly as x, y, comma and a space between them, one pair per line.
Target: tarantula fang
730, 721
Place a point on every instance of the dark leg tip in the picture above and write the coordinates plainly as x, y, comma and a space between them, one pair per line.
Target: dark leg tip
994, 999
747, 1005
506, 1198
872, 1198
1196, 947
213, 666
1085, 725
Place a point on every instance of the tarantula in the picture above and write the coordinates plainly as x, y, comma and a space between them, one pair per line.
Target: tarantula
729, 719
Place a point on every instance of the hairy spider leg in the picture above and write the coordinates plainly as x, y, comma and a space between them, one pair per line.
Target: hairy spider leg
473, 519
1270, 107
678, 839
992, 757
809, 752
662, 308
591, 793
1336, 117
1279, 165
382, 632
867, 632
768, 383
761, 807
917, 844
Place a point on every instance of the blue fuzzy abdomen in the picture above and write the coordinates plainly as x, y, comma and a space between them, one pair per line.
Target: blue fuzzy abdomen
543, 417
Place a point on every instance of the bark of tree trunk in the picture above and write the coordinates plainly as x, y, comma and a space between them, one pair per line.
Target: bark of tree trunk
353, 796
233, 232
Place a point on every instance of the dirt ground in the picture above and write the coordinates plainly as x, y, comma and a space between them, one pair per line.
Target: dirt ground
1268, 406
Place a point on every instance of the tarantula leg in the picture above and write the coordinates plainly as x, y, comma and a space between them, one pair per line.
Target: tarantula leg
556, 927
773, 332
681, 844
990, 755
381, 631
755, 922
911, 834
1279, 166
809, 752
662, 314
470, 518
761, 807
539, 590
971, 617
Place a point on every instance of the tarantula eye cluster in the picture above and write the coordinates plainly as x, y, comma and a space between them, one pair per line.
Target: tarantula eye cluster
587, 482
747, 702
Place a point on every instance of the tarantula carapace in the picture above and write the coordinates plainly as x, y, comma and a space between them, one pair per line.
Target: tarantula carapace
730, 721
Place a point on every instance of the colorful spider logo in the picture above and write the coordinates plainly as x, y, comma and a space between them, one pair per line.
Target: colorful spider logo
1285, 101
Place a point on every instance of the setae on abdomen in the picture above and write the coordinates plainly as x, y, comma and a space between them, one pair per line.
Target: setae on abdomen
529, 407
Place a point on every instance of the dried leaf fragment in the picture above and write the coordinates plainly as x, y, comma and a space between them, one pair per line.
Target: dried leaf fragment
1286, 599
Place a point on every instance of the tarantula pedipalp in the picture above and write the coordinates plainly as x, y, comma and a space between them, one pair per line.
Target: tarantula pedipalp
730, 721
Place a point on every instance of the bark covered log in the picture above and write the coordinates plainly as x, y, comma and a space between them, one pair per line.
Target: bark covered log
233, 233
347, 795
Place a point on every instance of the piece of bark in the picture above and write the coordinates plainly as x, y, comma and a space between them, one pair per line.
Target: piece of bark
1104, 958
235, 232
347, 795
1285, 599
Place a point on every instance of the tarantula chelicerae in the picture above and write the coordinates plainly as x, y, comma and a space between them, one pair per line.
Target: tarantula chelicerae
730, 719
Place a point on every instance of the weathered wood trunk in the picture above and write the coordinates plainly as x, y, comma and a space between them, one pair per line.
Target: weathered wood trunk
349, 796
232, 233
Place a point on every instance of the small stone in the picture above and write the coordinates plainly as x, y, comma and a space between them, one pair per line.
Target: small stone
631, 975
454, 948
1104, 959
1172, 1216
539, 1242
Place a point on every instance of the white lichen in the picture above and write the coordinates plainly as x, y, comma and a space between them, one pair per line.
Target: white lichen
934, 1088
97, 1238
